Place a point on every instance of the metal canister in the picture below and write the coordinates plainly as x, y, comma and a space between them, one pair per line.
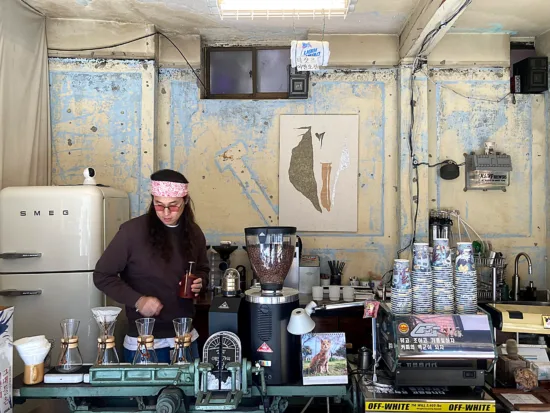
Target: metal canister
434, 227
231, 283
363, 358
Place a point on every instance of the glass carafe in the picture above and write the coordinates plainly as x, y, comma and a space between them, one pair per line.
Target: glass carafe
106, 320
182, 327
145, 353
70, 359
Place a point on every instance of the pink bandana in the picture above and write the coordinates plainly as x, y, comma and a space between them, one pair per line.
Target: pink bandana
169, 189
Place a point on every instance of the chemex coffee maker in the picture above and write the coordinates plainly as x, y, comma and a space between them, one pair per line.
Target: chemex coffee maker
271, 251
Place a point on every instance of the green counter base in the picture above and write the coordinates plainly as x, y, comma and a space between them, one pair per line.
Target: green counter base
121, 399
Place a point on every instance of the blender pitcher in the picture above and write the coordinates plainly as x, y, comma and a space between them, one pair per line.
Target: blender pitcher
70, 359
182, 327
145, 353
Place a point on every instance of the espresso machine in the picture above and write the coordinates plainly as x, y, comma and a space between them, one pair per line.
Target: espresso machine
271, 252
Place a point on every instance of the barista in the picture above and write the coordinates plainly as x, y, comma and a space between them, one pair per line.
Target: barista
144, 263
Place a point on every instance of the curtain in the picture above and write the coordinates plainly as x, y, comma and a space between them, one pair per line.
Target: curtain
25, 136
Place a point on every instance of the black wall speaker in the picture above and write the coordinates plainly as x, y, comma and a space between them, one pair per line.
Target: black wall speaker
533, 74
298, 84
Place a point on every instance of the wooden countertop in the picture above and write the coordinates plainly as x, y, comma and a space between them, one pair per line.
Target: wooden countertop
202, 303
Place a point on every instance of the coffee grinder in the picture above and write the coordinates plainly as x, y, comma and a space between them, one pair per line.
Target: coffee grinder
271, 251
226, 310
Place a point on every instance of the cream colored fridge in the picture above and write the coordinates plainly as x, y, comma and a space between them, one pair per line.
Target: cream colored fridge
50, 240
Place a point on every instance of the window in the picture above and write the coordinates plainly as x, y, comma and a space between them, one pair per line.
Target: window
247, 73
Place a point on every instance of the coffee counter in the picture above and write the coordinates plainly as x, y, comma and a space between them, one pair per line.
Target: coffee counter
347, 320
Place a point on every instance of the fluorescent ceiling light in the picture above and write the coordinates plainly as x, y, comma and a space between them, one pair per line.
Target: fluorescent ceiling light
284, 8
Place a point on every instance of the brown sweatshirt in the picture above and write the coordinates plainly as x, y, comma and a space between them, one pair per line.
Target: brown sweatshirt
131, 268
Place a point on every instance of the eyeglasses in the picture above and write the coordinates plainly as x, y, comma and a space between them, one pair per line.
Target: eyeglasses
172, 208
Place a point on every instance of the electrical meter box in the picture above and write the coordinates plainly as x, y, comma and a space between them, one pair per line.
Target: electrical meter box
490, 171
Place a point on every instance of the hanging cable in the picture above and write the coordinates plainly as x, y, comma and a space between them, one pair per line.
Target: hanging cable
419, 60
89, 49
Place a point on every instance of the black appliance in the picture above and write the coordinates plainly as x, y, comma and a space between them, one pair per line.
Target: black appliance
272, 346
271, 252
530, 75
227, 312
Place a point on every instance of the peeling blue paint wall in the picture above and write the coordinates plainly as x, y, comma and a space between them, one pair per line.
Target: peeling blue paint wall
471, 107
97, 121
103, 115
229, 151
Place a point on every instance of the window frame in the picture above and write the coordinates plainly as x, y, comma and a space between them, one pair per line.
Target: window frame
255, 95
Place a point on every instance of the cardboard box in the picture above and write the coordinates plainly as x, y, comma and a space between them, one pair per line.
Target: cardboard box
6, 359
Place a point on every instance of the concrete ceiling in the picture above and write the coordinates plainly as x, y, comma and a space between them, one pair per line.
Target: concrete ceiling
370, 16
520, 18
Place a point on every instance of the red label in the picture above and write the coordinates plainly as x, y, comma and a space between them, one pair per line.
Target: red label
264, 348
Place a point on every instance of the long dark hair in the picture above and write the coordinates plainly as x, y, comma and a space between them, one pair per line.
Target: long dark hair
158, 233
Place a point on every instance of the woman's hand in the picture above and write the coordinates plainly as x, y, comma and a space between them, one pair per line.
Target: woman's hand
149, 306
197, 286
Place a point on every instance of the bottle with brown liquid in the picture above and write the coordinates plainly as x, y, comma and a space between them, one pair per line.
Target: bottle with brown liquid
186, 283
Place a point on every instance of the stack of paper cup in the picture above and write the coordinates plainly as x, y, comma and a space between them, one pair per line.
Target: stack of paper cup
422, 280
401, 289
33, 351
465, 279
442, 270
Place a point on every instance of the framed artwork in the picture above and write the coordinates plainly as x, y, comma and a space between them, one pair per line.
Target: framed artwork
318, 167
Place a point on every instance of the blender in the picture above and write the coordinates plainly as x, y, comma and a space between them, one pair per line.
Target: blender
145, 353
182, 327
70, 359
105, 318
271, 252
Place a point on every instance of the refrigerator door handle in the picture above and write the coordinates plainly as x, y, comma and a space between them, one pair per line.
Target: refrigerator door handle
19, 293
17, 255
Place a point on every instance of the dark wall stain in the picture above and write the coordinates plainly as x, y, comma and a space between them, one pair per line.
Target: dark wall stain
69, 142
93, 129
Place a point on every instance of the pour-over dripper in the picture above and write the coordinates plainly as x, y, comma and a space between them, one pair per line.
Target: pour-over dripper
145, 353
70, 359
145, 326
225, 250
271, 252
182, 327
69, 327
106, 347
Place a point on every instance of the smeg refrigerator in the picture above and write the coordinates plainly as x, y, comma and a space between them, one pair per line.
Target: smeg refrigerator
50, 240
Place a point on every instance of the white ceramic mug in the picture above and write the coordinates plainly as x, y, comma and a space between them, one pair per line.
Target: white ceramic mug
334, 292
317, 292
325, 282
349, 293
